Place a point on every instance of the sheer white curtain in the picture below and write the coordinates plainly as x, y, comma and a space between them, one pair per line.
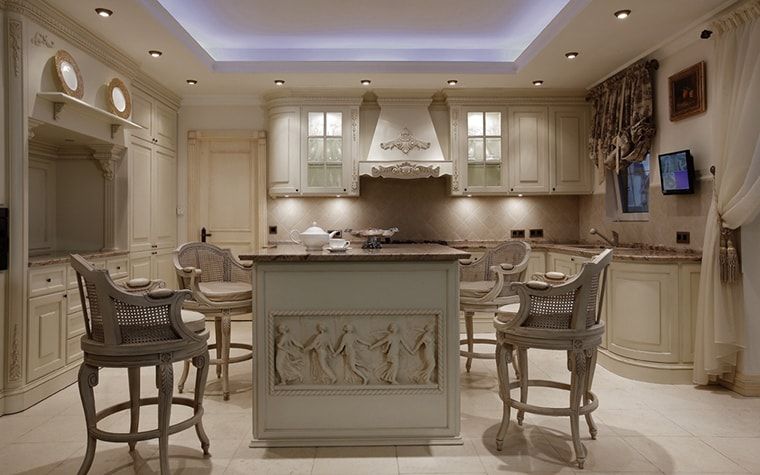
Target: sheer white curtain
736, 155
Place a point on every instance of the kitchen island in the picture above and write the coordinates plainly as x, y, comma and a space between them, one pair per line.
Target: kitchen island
356, 348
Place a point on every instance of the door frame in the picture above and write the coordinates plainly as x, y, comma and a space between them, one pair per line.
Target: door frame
257, 139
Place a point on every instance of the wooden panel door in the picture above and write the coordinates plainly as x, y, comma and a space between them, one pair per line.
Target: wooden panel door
568, 152
47, 335
225, 192
165, 127
164, 199
142, 115
140, 191
528, 150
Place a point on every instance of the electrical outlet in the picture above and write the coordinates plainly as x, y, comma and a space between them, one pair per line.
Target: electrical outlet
272, 229
518, 234
683, 237
536, 233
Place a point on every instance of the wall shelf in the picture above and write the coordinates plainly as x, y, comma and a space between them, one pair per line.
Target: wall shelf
61, 101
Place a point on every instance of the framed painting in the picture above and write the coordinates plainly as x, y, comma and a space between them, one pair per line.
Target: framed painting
688, 95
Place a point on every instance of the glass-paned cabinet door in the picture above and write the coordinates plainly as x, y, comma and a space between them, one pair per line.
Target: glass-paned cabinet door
324, 150
484, 150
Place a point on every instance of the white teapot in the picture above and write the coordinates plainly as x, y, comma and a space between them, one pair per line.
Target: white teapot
314, 238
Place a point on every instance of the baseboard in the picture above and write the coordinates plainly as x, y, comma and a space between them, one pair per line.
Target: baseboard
356, 442
660, 373
744, 384
19, 399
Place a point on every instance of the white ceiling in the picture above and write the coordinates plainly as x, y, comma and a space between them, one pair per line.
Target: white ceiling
217, 30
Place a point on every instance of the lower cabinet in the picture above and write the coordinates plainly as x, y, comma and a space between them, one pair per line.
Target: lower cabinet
46, 341
158, 264
536, 264
565, 263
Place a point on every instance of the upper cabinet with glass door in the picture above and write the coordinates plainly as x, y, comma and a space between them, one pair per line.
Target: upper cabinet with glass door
324, 169
482, 149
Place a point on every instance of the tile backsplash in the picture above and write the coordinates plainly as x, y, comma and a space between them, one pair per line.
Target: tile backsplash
423, 209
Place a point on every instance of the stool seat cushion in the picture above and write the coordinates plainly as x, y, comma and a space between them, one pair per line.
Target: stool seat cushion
194, 321
476, 288
226, 291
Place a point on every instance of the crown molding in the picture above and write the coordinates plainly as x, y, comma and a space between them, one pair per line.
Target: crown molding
222, 100
67, 28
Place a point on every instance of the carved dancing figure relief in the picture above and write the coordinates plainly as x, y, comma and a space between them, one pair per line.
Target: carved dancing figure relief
320, 347
288, 360
347, 346
426, 346
392, 344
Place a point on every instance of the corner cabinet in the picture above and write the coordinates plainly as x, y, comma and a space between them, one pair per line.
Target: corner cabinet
539, 147
313, 147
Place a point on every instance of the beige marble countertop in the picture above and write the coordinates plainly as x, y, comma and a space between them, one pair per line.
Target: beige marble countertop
62, 257
625, 252
389, 253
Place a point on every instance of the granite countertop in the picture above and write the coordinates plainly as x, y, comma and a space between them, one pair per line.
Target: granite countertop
389, 253
62, 257
625, 252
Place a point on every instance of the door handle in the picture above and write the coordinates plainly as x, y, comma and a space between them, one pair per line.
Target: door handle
205, 234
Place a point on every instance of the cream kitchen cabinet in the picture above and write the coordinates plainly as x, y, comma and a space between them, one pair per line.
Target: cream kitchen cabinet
528, 149
46, 342
565, 263
536, 264
157, 264
313, 147
570, 168
482, 149
159, 122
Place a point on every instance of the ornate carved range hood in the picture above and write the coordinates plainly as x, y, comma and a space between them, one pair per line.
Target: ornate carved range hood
405, 143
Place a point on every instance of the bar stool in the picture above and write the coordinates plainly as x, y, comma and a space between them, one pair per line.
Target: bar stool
131, 330
484, 287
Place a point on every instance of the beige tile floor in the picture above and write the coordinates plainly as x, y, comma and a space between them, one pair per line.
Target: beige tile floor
643, 428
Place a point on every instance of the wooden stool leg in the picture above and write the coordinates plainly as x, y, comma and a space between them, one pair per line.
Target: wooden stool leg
201, 363
469, 329
591, 366
134, 403
165, 389
516, 367
87, 380
577, 365
522, 359
226, 330
218, 339
503, 357
183, 377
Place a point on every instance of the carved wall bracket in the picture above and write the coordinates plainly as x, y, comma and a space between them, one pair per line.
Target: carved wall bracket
406, 170
108, 157
405, 142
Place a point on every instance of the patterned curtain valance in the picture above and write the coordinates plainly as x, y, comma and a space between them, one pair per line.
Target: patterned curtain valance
623, 123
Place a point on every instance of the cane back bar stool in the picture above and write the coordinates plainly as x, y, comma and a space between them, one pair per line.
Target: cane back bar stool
220, 287
133, 330
484, 287
565, 317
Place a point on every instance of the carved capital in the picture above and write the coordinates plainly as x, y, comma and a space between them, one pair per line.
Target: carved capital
108, 157
14, 44
31, 125
405, 142
406, 170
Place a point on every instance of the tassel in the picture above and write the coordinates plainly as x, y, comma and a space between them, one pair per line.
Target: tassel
728, 257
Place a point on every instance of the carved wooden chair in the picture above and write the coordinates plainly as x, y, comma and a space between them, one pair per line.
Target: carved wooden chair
133, 330
221, 287
484, 287
563, 316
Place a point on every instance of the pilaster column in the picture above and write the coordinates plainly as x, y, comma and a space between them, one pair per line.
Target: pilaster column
108, 157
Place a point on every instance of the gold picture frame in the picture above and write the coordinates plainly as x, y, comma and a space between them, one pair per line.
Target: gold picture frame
68, 75
687, 92
118, 98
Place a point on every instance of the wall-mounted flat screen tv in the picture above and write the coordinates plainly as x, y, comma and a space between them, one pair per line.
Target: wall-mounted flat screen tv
677, 173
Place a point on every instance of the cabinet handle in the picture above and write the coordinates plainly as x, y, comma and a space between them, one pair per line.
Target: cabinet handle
154, 252
118, 267
48, 280
154, 246
554, 189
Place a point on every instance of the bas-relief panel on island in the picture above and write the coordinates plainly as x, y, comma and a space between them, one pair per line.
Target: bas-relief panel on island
360, 353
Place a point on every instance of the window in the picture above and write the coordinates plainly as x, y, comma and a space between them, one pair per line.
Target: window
483, 149
630, 192
325, 150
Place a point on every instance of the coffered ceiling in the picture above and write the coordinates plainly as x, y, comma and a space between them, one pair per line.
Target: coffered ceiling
238, 48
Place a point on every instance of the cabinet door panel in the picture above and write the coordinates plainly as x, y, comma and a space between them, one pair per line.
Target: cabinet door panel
142, 115
571, 171
163, 268
284, 151
47, 335
165, 125
163, 207
140, 189
139, 265
528, 143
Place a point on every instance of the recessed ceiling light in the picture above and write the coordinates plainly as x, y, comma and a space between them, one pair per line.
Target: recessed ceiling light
192, 82
104, 12
622, 14
452, 82
365, 82
155, 53
538, 82
279, 82
571, 55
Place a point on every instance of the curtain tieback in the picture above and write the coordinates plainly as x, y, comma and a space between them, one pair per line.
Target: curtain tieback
728, 256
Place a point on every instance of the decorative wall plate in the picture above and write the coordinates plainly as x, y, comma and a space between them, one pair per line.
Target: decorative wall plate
68, 74
119, 102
